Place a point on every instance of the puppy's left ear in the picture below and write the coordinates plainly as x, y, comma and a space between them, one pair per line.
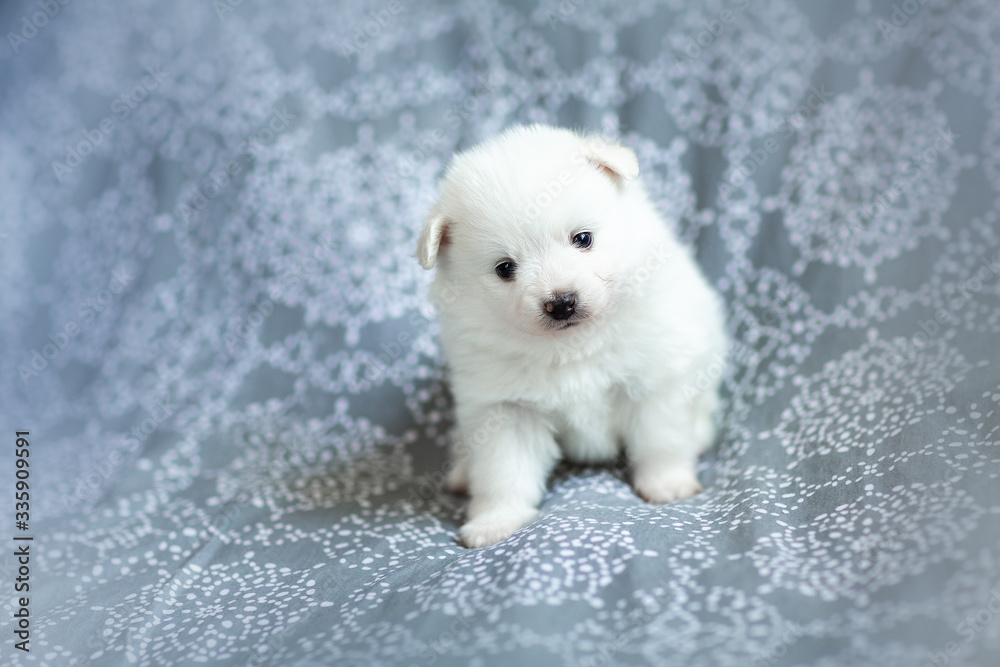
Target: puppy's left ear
617, 161
433, 236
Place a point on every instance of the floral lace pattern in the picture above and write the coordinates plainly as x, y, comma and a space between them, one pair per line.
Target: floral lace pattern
222, 346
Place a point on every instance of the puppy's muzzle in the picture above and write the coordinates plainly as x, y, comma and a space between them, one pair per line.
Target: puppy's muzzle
561, 306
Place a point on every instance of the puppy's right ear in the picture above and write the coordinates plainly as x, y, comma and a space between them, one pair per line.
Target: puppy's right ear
434, 235
617, 161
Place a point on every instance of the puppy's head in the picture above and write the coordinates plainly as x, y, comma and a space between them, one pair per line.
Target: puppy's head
528, 230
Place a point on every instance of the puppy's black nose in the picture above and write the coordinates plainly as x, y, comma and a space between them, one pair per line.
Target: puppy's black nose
561, 305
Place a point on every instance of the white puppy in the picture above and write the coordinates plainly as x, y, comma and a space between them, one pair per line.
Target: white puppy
572, 320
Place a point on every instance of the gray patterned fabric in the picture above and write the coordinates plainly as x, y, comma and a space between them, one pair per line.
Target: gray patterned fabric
220, 343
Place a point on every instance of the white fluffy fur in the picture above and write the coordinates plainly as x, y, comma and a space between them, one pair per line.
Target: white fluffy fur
642, 362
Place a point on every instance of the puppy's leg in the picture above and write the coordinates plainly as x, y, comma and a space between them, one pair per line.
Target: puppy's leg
663, 447
457, 480
510, 457
705, 405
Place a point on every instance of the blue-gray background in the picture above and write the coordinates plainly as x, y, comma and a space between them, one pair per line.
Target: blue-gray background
238, 406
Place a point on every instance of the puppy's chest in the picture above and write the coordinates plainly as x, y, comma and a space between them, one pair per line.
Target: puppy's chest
573, 391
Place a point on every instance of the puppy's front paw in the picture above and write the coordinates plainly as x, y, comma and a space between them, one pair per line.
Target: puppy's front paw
666, 486
493, 526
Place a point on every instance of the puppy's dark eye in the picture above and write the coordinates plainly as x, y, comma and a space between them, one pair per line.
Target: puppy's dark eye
583, 240
505, 269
